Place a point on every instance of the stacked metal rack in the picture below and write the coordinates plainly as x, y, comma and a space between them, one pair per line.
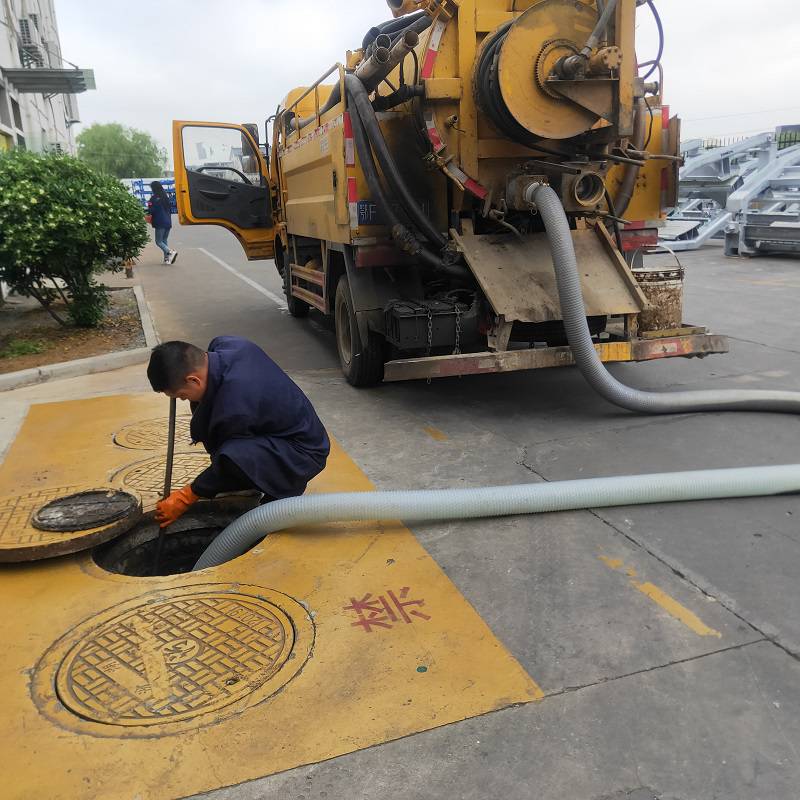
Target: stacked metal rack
747, 193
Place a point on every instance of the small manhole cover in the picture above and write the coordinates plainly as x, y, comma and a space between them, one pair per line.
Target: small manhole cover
84, 510
153, 434
148, 476
176, 659
20, 540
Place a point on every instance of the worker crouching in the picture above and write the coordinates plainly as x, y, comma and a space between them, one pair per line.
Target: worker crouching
261, 431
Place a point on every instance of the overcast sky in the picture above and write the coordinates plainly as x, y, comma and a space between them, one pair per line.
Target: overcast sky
728, 71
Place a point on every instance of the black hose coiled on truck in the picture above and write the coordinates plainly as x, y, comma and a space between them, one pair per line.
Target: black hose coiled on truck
403, 237
490, 97
360, 100
490, 100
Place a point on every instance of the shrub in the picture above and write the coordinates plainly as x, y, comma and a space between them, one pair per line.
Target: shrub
61, 223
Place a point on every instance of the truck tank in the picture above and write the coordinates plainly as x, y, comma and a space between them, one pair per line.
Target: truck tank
396, 197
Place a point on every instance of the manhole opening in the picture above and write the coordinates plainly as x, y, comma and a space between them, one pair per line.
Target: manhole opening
134, 554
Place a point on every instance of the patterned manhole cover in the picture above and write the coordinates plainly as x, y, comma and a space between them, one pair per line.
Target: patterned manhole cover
21, 541
147, 477
172, 660
84, 510
153, 434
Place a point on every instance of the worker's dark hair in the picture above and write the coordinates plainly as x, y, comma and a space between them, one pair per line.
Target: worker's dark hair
170, 363
160, 193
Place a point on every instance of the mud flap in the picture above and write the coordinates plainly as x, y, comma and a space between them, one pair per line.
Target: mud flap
519, 282
373, 288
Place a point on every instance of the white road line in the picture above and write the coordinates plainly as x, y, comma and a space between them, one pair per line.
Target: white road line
277, 299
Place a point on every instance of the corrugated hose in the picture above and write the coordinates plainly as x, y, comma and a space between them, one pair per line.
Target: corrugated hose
498, 501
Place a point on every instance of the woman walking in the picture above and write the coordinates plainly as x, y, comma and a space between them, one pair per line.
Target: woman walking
160, 211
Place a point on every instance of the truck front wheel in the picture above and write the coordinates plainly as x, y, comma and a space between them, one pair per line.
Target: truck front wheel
362, 362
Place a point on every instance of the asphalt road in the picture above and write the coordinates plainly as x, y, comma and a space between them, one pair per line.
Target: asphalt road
666, 638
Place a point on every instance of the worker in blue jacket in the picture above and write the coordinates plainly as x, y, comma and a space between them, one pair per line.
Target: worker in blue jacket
259, 428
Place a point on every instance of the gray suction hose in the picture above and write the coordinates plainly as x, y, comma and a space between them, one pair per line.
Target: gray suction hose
497, 501
573, 312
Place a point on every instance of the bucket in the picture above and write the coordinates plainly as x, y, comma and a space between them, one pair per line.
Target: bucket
663, 289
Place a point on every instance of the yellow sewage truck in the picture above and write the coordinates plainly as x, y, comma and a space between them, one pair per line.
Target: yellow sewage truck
398, 191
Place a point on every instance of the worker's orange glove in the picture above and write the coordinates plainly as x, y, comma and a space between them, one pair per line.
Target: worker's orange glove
172, 508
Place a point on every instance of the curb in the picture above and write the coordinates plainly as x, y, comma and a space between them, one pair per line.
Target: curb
93, 364
151, 338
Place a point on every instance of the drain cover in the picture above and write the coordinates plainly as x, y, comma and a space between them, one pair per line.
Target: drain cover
84, 510
153, 434
20, 540
172, 660
147, 477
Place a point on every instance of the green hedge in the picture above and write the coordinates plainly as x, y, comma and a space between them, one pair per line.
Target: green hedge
60, 219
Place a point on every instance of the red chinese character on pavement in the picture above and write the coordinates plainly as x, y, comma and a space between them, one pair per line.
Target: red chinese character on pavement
381, 612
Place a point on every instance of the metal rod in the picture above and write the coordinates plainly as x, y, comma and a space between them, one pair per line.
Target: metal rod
173, 403
167, 478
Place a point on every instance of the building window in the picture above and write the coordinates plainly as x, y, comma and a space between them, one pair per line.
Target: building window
21, 142
5, 116
6, 142
16, 112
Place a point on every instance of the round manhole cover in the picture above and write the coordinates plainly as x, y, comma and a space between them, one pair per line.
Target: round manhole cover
20, 540
176, 659
84, 510
147, 476
153, 434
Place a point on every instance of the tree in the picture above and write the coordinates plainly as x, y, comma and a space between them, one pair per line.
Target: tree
62, 222
122, 152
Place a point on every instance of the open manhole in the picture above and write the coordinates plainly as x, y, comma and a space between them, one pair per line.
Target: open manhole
174, 659
84, 510
183, 543
135, 556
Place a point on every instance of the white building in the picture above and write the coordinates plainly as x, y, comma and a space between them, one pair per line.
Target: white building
37, 87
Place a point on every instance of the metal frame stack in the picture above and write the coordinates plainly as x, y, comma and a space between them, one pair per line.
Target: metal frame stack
747, 193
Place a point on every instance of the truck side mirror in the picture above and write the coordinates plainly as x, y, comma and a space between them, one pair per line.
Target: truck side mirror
252, 129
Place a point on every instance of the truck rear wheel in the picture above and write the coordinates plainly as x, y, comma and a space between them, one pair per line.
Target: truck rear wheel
362, 362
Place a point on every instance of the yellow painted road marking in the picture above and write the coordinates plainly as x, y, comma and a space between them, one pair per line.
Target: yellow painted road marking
536, 691
675, 609
614, 563
661, 598
396, 648
435, 433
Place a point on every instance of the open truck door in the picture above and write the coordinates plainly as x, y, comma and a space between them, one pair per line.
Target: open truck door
222, 178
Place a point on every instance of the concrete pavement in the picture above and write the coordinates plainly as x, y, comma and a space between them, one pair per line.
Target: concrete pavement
666, 639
